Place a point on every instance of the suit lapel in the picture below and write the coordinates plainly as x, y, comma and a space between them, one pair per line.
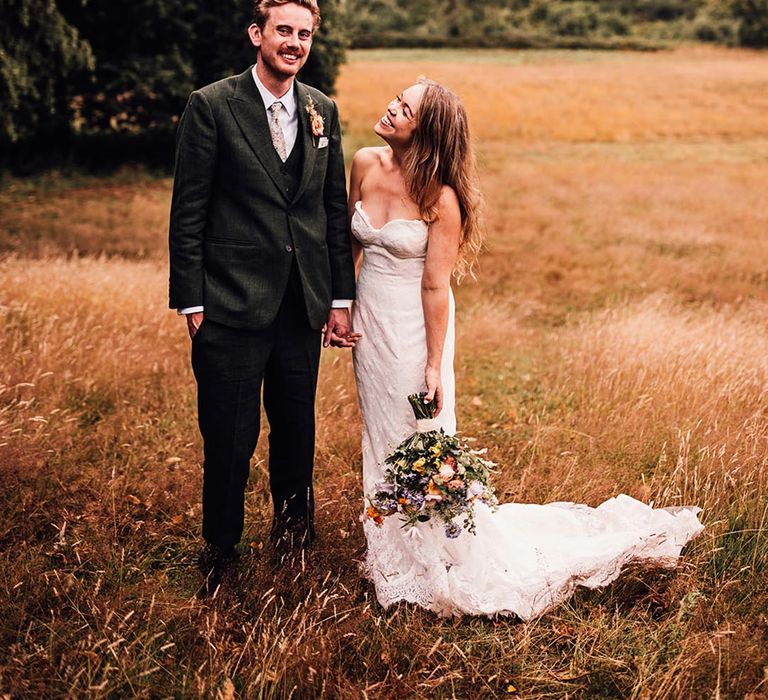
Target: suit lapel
249, 113
308, 140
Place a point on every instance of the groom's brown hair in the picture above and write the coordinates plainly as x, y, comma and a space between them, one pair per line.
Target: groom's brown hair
261, 9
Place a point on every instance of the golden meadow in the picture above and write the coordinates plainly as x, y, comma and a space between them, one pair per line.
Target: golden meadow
616, 340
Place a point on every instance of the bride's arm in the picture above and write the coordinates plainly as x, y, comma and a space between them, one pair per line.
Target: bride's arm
355, 181
442, 251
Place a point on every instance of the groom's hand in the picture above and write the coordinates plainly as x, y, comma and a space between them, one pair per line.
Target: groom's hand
338, 330
193, 322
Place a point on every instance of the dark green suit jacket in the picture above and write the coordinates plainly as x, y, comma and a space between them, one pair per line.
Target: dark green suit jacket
234, 231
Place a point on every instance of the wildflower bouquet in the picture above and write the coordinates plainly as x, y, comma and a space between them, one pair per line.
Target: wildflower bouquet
432, 476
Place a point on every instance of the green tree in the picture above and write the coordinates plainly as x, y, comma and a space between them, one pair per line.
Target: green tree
222, 48
143, 64
144, 75
115, 76
221, 45
40, 52
328, 50
753, 22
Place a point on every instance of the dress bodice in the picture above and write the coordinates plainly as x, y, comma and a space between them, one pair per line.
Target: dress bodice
396, 241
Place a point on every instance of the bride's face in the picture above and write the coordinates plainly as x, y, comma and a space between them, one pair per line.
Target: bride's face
398, 123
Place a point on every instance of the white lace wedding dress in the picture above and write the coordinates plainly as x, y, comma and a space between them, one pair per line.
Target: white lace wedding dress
524, 558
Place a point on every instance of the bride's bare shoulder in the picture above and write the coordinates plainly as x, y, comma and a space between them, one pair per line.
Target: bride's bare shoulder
370, 156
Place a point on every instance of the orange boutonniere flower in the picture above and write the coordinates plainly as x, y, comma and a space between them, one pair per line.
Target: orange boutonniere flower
316, 122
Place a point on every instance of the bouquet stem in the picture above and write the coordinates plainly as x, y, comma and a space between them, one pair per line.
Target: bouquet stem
422, 409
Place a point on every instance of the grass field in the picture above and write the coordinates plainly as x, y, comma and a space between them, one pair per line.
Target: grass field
616, 340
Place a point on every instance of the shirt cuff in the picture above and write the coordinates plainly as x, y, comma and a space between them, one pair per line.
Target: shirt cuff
341, 304
189, 310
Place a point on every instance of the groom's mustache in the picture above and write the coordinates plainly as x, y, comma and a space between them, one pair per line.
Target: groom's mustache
291, 48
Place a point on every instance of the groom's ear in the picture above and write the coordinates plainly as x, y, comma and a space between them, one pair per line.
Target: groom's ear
254, 34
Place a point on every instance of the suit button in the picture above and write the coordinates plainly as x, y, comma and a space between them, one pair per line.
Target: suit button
288, 249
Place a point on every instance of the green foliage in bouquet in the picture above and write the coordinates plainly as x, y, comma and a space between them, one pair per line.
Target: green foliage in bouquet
432, 476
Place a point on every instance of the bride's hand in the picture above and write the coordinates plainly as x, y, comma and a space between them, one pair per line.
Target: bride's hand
434, 384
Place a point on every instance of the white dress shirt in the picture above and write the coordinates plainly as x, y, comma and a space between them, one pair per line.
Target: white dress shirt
288, 118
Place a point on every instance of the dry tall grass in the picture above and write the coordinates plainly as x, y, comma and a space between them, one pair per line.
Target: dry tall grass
692, 94
616, 341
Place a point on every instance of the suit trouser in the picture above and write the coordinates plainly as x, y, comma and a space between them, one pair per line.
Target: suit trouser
230, 366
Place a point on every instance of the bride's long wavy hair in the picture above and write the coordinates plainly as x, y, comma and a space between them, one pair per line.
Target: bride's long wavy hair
441, 153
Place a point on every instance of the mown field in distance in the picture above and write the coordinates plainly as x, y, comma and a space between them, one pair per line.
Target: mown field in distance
615, 341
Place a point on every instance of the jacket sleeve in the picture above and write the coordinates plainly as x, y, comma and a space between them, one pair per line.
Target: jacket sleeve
337, 233
194, 174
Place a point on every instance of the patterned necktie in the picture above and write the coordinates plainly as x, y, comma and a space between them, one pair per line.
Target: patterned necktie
278, 138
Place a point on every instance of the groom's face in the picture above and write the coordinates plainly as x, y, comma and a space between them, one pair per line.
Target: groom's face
285, 40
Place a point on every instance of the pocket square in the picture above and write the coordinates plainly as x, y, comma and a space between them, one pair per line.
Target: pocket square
323, 142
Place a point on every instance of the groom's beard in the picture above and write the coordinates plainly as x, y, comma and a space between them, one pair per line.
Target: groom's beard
290, 71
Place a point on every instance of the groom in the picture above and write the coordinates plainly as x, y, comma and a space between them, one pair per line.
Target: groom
260, 262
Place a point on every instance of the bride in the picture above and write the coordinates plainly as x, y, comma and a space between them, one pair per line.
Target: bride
413, 209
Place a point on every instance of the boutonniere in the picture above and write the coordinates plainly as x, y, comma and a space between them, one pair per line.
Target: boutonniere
316, 122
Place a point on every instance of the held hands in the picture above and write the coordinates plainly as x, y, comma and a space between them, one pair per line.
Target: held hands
434, 383
337, 332
193, 322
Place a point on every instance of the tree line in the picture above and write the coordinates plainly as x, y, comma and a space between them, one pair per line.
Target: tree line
633, 24
109, 80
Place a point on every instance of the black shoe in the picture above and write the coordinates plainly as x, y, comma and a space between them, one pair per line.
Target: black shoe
213, 557
210, 584
292, 536
214, 563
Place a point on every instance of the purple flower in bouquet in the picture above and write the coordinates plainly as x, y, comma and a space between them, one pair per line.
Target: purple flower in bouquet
452, 531
385, 499
413, 499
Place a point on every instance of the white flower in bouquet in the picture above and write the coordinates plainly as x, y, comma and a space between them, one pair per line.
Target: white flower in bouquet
446, 473
475, 489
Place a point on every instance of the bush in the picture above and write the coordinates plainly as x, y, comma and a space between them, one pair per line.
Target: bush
328, 50
572, 19
752, 16
713, 30
615, 25
662, 10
